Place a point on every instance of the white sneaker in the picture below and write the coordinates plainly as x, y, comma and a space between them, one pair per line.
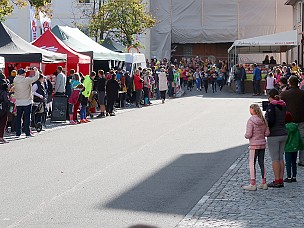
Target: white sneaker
250, 187
263, 186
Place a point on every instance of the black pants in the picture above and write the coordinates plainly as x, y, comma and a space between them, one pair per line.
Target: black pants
163, 94
3, 121
110, 104
138, 97
260, 155
242, 86
257, 86
220, 84
291, 163
206, 84
146, 94
213, 86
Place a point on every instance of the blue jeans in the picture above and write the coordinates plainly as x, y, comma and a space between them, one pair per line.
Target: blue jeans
198, 83
238, 84
291, 163
26, 112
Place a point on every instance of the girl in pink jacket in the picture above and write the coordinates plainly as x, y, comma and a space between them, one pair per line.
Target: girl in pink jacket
257, 130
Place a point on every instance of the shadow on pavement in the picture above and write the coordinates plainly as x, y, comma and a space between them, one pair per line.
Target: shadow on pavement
176, 188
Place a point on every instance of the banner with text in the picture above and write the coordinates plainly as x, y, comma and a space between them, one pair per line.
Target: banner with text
45, 22
34, 25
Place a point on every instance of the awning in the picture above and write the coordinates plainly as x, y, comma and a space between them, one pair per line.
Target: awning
274, 43
50, 42
81, 43
14, 49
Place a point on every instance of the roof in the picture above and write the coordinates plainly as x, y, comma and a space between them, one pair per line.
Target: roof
14, 49
49, 41
113, 46
80, 42
274, 43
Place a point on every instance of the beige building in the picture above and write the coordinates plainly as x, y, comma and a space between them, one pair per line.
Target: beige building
297, 9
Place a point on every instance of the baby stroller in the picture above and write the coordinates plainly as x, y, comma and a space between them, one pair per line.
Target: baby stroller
39, 113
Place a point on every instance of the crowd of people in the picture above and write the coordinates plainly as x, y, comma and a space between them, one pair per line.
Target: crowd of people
283, 125
276, 76
27, 100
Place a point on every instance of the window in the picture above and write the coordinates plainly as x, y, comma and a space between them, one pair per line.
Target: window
84, 1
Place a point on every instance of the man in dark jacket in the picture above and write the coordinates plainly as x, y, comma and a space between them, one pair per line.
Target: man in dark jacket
170, 81
238, 78
294, 99
112, 89
101, 92
243, 78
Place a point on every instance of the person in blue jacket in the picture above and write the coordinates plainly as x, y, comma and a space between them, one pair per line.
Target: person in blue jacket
257, 76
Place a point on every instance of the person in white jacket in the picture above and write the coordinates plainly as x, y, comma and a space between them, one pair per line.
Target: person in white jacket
24, 99
163, 84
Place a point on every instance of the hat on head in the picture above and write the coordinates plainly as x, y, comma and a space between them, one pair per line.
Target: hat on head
21, 71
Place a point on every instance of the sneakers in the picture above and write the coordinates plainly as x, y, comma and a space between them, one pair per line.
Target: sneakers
72, 122
112, 114
288, 180
275, 185
163, 101
294, 179
3, 141
87, 120
100, 116
83, 121
29, 136
263, 186
250, 187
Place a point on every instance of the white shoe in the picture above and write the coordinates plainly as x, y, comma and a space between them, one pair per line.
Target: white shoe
263, 186
250, 187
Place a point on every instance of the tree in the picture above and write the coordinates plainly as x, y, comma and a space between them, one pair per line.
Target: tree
122, 18
7, 6
100, 21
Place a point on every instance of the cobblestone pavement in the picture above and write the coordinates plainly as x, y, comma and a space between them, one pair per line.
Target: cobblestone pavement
227, 205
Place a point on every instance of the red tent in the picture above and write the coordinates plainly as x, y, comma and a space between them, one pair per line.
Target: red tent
78, 62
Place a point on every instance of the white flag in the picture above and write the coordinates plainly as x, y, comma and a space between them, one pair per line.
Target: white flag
45, 22
34, 25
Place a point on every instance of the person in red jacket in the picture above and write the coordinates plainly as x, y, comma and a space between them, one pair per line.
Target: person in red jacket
138, 82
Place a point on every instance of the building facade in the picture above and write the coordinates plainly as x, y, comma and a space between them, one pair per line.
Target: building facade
207, 28
65, 13
297, 9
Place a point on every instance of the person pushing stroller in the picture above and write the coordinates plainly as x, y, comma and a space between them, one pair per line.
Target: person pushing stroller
39, 103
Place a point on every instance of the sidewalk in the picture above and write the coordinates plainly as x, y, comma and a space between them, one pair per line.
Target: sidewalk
226, 204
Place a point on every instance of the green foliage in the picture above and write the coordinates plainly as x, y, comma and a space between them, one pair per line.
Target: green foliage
7, 6
123, 18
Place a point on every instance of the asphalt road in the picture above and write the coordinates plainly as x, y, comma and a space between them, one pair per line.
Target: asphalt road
145, 166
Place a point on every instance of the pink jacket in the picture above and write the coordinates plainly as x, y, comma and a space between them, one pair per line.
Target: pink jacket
256, 132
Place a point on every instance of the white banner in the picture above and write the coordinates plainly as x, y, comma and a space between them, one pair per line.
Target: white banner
34, 25
45, 22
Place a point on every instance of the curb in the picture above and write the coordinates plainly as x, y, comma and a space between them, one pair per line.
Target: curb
195, 214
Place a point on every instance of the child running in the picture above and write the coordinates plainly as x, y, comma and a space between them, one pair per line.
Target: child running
257, 130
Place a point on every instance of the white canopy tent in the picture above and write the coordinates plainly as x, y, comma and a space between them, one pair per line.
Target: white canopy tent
274, 43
